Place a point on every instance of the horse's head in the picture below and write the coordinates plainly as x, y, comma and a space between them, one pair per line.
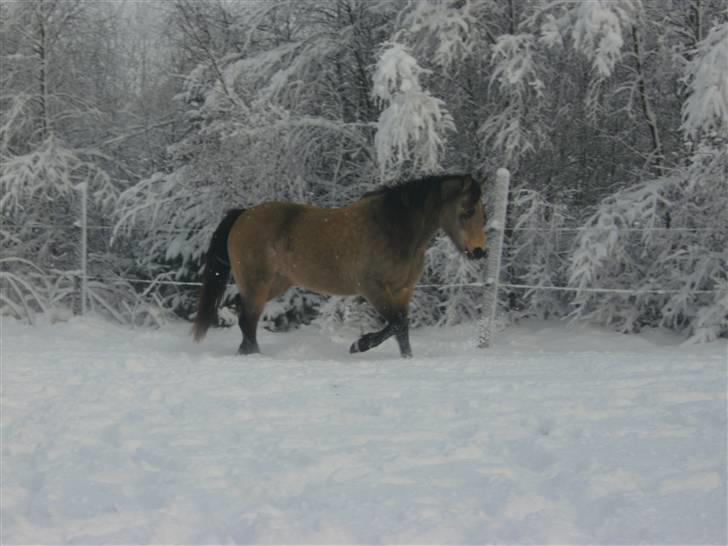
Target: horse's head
463, 215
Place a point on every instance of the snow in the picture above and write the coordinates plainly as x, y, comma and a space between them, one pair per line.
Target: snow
555, 435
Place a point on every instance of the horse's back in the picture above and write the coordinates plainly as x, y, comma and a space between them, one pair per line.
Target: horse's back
316, 248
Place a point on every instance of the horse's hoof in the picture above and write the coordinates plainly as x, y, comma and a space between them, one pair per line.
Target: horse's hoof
248, 350
406, 355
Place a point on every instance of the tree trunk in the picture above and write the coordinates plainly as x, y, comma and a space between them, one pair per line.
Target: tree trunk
657, 156
42, 51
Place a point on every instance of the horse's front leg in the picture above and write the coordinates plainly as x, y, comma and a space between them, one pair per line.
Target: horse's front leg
370, 340
397, 325
402, 336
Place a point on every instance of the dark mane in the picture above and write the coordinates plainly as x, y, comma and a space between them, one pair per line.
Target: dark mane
401, 209
413, 194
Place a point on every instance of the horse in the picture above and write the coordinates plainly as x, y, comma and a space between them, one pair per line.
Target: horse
374, 248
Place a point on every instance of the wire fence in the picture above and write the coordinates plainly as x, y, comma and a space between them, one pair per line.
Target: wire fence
489, 288
442, 286
548, 229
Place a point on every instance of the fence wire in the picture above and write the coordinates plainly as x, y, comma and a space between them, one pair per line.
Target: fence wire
548, 229
474, 285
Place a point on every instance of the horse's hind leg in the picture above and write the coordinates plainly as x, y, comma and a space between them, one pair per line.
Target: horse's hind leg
248, 323
252, 308
253, 302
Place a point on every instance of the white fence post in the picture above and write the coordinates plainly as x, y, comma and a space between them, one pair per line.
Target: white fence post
496, 225
84, 245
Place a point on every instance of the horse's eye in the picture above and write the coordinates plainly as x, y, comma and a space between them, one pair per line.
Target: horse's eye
468, 214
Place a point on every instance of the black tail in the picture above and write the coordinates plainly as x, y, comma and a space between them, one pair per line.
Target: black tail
214, 277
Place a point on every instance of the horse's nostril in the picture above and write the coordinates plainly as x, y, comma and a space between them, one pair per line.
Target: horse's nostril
479, 253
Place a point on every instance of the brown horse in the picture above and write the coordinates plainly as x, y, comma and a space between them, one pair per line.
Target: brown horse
374, 247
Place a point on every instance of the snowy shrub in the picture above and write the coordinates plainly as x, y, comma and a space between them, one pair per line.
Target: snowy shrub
610, 254
677, 276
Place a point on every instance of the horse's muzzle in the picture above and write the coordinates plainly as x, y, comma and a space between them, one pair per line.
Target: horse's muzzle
476, 253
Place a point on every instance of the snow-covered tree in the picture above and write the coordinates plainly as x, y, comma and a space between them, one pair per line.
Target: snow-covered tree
610, 116
59, 104
42, 172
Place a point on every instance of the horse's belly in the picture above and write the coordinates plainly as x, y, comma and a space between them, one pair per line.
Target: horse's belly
321, 254
326, 279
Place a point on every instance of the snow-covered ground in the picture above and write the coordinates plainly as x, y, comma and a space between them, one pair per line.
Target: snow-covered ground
555, 435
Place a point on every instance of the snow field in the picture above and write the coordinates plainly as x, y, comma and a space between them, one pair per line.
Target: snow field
555, 435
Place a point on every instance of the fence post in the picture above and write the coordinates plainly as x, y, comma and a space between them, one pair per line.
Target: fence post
84, 245
496, 225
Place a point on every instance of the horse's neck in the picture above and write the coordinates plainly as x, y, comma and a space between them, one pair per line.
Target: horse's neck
428, 221
412, 231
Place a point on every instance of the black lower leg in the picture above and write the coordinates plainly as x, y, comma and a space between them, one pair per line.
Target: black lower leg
370, 340
402, 336
248, 326
397, 326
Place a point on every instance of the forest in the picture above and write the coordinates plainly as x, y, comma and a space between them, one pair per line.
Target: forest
128, 128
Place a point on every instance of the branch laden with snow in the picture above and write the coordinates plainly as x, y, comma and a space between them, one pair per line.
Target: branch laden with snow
706, 109
412, 129
515, 76
440, 30
596, 29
